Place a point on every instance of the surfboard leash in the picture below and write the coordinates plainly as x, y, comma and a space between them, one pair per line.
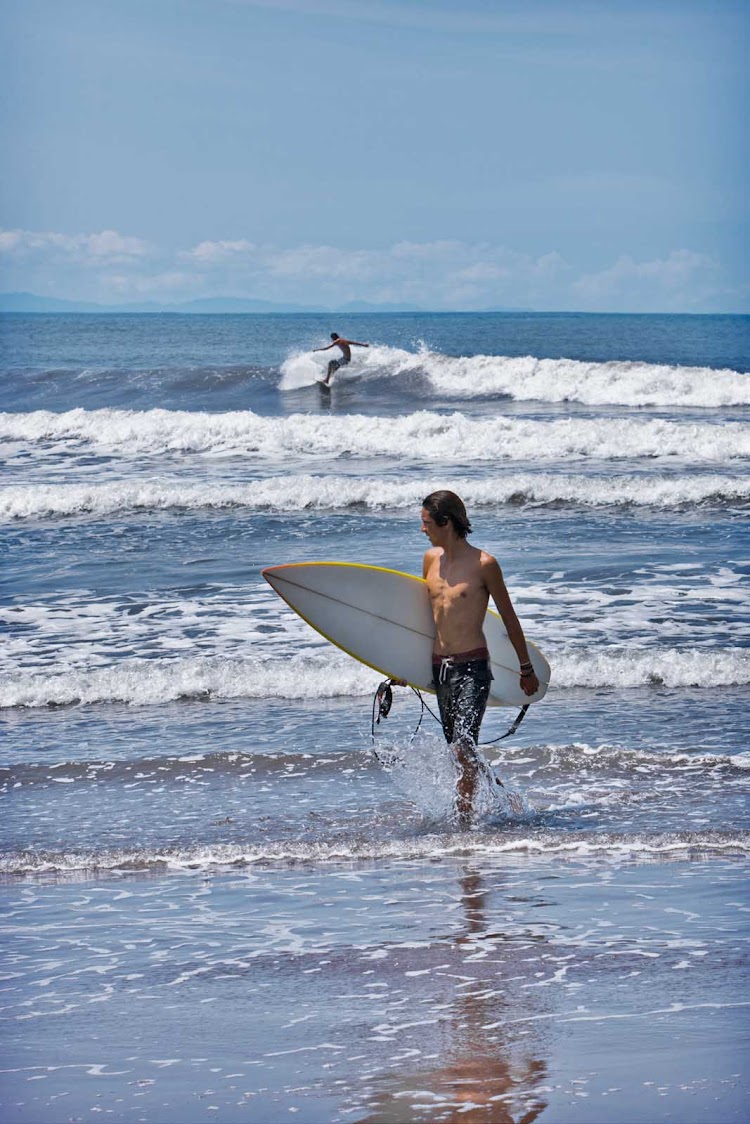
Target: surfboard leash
383, 701
512, 728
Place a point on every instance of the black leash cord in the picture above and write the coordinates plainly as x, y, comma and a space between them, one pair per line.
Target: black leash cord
513, 726
383, 701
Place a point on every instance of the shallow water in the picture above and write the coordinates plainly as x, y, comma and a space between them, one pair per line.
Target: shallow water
220, 899
498, 988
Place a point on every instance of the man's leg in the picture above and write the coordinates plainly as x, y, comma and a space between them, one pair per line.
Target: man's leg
332, 366
466, 786
470, 703
462, 700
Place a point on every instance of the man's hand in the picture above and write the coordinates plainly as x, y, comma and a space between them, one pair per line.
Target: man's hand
529, 684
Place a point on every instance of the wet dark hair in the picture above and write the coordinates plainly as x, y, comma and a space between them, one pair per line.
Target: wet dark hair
335, 336
445, 507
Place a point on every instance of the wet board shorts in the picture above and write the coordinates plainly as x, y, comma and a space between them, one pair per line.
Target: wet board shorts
342, 362
462, 684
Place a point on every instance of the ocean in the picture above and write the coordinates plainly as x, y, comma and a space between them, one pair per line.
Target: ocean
222, 898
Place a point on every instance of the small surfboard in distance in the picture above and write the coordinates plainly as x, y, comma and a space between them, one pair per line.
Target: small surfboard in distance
383, 618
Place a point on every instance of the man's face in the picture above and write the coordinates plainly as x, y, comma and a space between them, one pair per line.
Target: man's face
430, 527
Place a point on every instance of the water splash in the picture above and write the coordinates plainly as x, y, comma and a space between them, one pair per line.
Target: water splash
426, 772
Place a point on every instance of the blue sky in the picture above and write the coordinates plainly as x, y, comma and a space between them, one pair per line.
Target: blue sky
575, 154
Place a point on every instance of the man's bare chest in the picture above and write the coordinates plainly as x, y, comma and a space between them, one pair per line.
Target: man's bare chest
448, 591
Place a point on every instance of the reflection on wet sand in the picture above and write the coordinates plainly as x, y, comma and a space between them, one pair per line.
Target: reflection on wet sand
483, 1072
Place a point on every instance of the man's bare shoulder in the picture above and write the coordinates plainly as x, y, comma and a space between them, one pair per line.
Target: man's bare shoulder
430, 555
490, 565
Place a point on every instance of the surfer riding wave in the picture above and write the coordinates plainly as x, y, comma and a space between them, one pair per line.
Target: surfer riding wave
346, 354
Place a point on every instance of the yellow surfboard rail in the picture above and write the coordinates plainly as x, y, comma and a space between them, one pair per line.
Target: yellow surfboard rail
352, 565
278, 571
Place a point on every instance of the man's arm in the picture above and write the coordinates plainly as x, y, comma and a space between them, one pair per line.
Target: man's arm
356, 343
427, 561
328, 348
493, 578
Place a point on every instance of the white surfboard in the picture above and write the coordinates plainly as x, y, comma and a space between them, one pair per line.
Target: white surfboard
383, 618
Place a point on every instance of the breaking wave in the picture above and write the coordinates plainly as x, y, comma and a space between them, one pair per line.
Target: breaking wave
336, 493
418, 437
327, 675
526, 378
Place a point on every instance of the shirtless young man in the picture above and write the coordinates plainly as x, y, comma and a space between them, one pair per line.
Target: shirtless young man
460, 581
346, 353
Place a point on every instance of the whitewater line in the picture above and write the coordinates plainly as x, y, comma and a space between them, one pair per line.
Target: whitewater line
335, 493
326, 675
421, 437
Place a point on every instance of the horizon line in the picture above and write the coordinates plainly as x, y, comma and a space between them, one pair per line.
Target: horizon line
290, 308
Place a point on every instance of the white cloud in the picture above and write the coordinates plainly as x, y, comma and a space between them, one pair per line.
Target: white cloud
219, 251
550, 265
109, 244
10, 240
485, 271
324, 263
101, 246
441, 274
680, 282
427, 251
166, 285
437, 273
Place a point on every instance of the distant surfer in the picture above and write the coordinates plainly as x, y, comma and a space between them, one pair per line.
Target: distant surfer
346, 354
460, 581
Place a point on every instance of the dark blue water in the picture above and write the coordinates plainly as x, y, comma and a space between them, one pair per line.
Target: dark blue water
214, 362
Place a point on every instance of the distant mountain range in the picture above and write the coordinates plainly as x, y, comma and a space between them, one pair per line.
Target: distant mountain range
30, 302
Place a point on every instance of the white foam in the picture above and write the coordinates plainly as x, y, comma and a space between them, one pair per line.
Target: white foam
302, 368
419, 437
571, 756
152, 682
80, 632
622, 848
329, 674
676, 667
527, 378
333, 492
620, 617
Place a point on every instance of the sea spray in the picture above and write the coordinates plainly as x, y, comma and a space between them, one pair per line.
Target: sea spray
425, 770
